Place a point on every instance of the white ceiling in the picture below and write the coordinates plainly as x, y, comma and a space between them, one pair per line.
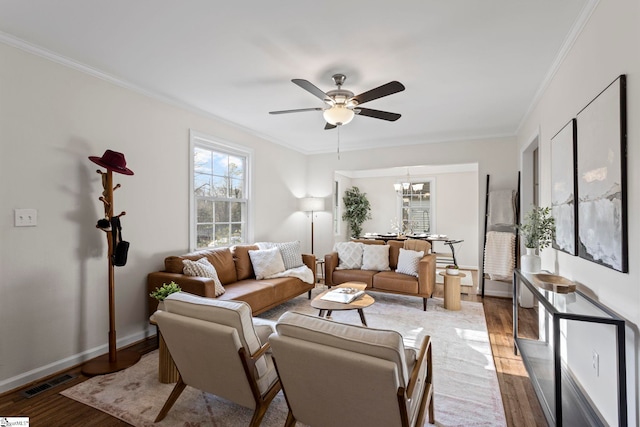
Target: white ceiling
472, 68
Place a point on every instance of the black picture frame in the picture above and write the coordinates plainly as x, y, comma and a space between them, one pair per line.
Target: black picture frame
602, 178
564, 188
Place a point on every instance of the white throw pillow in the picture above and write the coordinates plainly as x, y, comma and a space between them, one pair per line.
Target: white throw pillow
203, 268
266, 262
290, 251
349, 254
375, 257
408, 262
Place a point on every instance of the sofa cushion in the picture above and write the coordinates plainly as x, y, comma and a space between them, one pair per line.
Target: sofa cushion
395, 282
417, 245
408, 262
244, 268
220, 258
375, 257
364, 276
203, 268
349, 255
266, 262
394, 251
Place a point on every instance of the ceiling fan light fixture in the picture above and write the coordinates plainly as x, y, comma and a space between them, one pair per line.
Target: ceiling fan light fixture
338, 115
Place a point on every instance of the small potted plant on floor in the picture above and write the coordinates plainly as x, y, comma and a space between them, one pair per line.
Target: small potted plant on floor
452, 270
164, 291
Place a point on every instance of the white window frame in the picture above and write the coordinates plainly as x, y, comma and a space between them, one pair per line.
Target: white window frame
432, 200
199, 139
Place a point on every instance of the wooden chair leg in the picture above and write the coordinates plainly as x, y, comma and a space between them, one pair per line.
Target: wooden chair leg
175, 393
424, 304
291, 421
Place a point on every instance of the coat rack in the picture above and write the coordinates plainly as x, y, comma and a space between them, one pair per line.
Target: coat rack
115, 360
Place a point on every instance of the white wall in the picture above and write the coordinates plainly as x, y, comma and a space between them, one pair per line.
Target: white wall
455, 200
606, 48
53, 303
496, 157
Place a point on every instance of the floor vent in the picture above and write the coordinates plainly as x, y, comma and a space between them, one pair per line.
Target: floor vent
39, 388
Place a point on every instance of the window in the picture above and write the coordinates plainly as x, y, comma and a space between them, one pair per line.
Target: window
416, 207
220, 193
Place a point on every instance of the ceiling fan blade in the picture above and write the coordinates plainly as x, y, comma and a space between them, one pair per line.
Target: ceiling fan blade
377, 114
384, 90
311, 88
329, 126
299, 110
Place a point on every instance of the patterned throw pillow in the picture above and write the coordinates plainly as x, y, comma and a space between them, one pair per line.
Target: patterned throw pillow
290, 251
408, 262
203, 268
375, 257
349, 254
266, 262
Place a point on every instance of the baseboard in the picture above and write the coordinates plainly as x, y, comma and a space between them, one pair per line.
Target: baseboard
68, 362
496, 293
496, 288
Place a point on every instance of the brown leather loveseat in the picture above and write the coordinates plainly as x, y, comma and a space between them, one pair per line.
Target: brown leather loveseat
235, 271
389, 281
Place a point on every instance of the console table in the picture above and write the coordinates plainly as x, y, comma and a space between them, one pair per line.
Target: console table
559, 372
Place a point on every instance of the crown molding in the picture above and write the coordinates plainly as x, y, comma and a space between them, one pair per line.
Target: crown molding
564, 50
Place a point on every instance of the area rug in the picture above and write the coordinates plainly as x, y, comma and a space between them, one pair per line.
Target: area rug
465, 383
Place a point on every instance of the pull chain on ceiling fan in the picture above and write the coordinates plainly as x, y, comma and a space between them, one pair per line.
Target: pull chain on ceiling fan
342, 105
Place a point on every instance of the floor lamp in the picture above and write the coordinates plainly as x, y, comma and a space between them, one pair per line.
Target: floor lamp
312, 204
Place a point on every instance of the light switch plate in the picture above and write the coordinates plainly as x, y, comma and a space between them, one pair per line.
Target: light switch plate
26, 217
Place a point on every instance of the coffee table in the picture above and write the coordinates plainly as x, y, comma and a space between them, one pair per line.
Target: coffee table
326, 307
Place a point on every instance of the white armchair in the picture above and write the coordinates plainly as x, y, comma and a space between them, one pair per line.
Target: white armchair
217, 348
344, 375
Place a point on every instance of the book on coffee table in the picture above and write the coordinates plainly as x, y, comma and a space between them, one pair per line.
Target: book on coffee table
343, 295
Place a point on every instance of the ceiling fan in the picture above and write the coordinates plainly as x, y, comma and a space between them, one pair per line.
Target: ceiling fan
342, 105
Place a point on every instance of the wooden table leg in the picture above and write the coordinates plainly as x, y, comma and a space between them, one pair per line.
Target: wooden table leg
362, 319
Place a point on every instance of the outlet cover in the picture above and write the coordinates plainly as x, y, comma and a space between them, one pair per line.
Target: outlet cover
26, 217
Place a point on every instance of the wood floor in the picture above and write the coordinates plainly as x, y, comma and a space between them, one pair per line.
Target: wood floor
51, 409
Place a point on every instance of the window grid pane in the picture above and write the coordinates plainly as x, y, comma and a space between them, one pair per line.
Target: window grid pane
416, 209
219, 190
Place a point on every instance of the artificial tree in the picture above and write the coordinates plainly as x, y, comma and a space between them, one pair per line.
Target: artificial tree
357, 210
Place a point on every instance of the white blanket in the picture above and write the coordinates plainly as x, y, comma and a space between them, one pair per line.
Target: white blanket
502, 207
499, 257
303, 273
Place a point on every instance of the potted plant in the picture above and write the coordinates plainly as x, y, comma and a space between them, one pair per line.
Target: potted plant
160, 293
357, 210
537, 232
452, 270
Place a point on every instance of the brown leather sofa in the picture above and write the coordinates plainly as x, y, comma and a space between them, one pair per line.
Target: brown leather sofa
235, 271
389, 281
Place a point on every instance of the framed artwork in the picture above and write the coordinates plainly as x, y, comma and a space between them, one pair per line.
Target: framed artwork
564, 188
602, 178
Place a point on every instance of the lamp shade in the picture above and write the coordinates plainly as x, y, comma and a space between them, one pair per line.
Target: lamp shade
312, 204
338, 115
